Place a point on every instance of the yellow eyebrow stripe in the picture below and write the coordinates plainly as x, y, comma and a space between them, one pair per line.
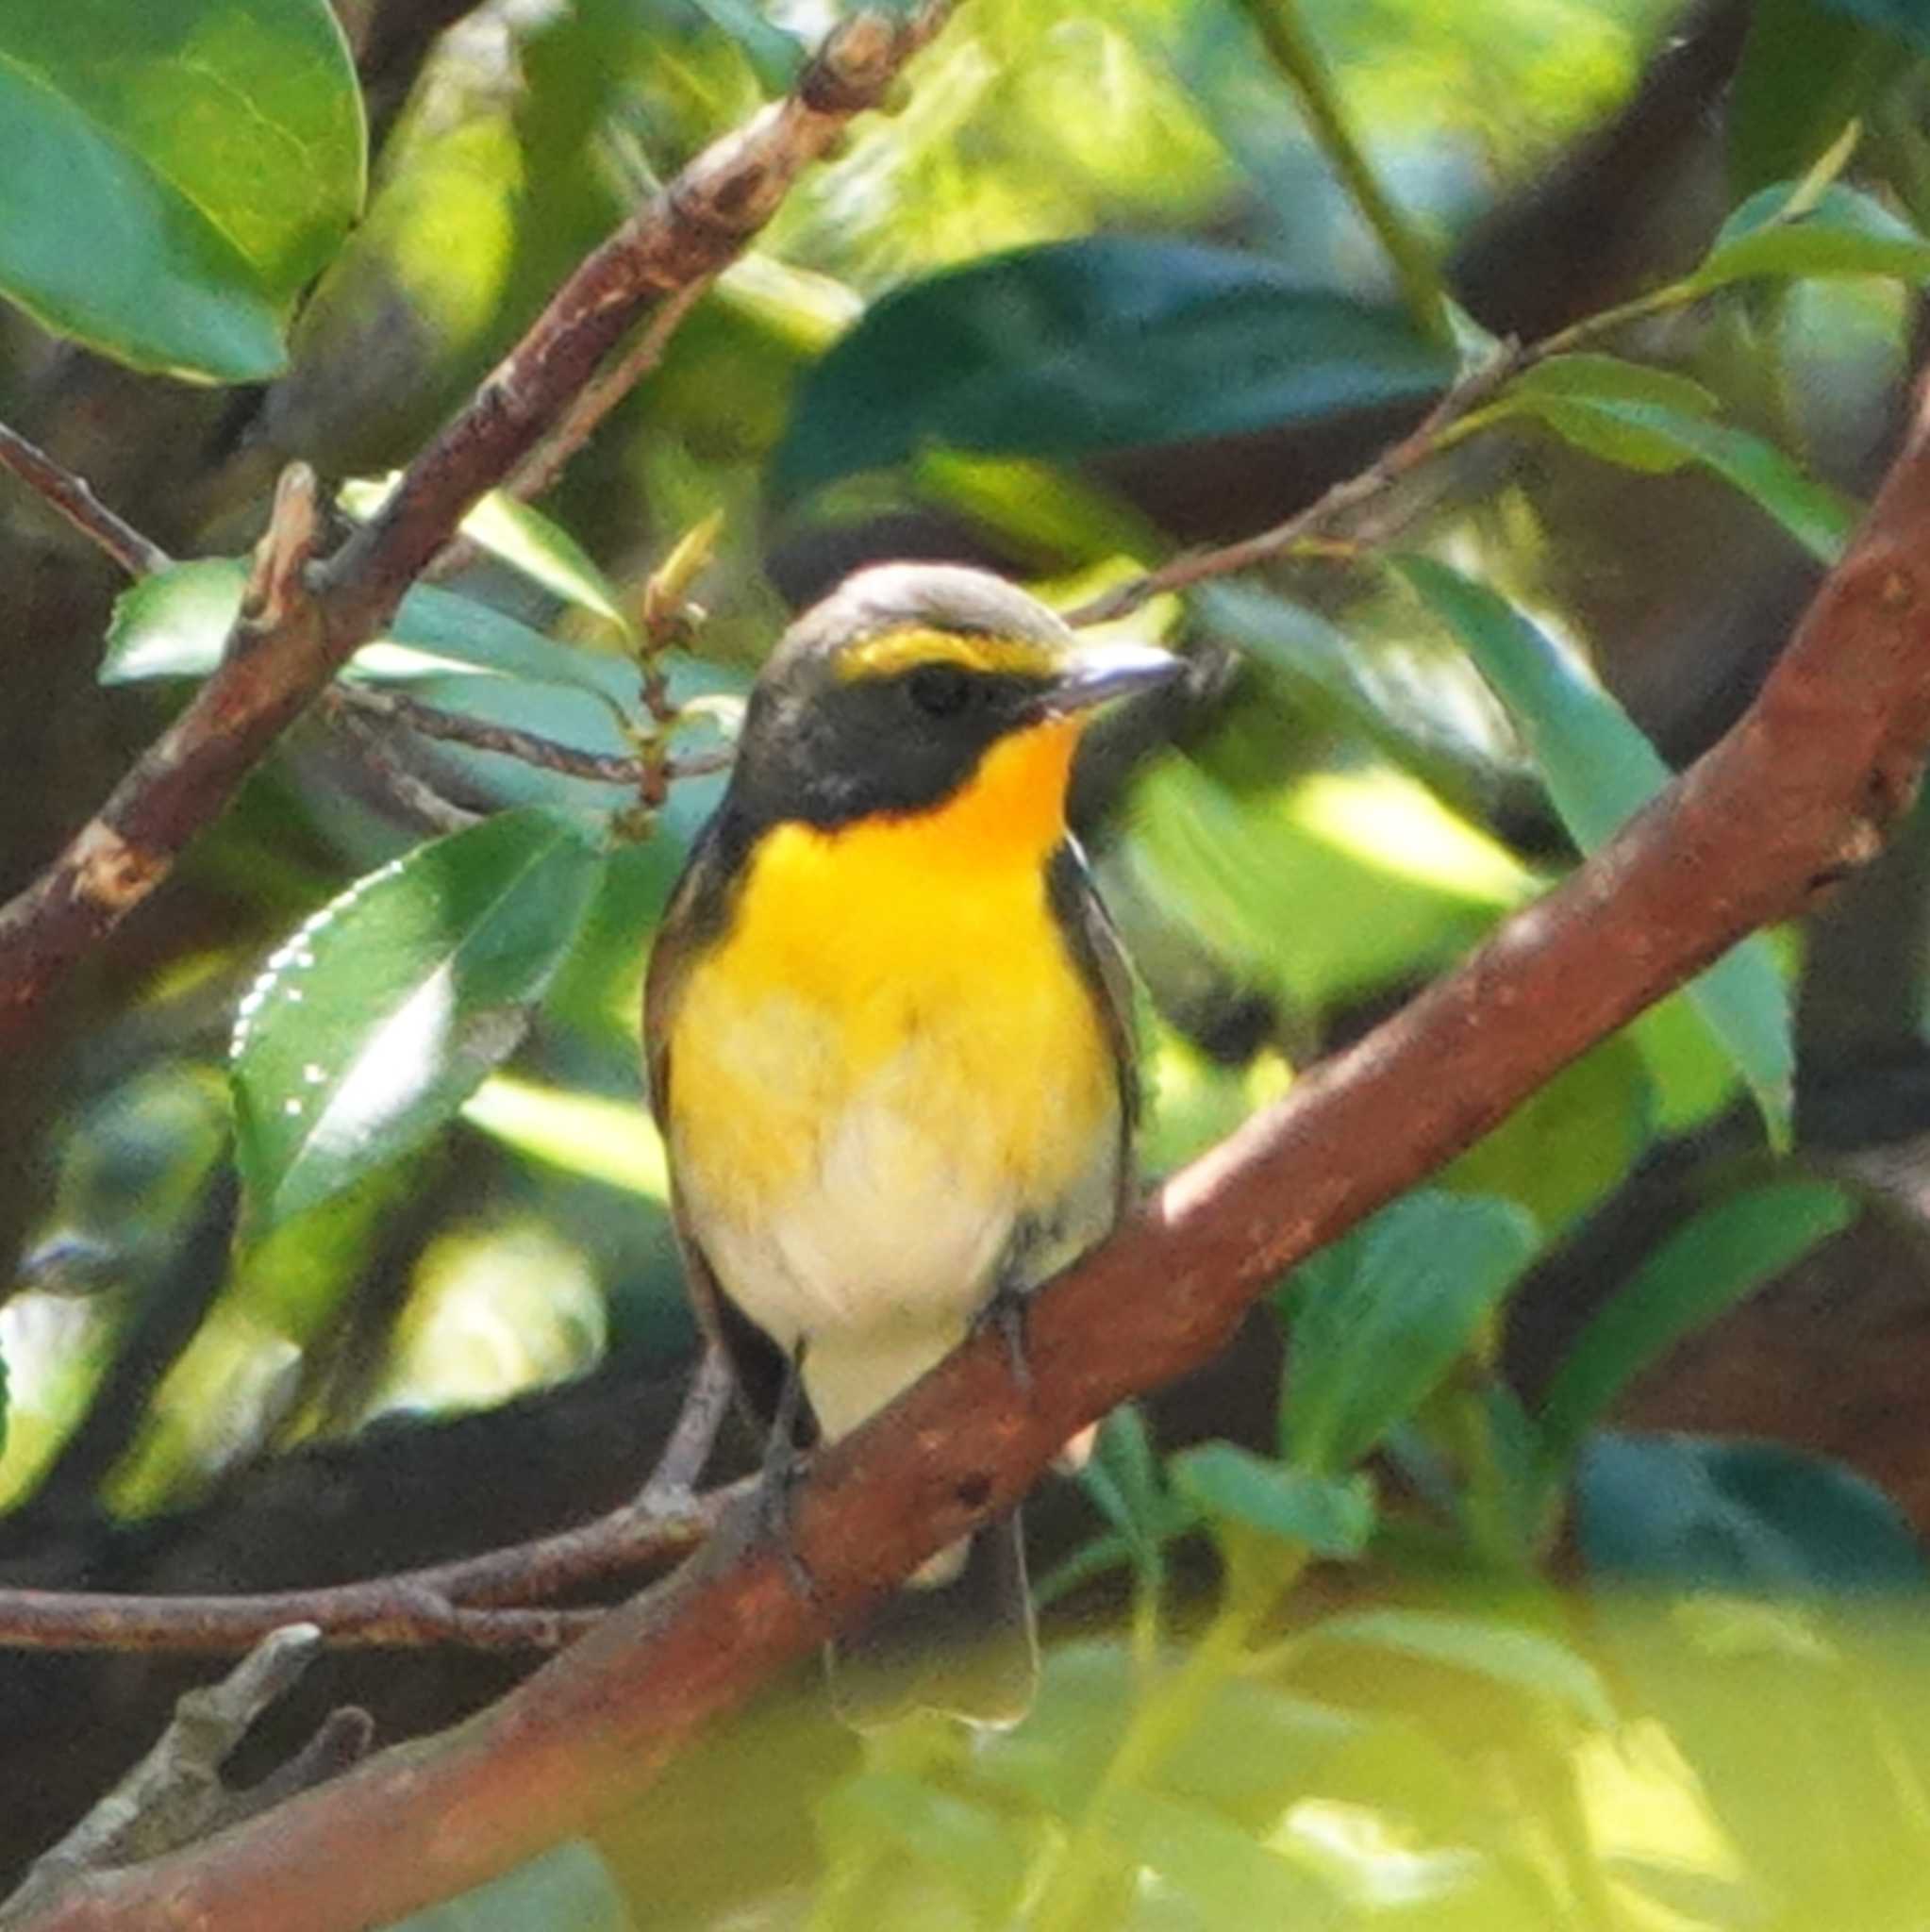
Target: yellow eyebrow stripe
898, 651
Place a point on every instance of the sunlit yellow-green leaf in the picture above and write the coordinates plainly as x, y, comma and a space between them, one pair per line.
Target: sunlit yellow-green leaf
609, 1141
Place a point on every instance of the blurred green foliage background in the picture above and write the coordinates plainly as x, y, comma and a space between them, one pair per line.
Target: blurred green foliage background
1560, 1581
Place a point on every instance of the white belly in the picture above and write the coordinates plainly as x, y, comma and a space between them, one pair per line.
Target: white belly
885, 1243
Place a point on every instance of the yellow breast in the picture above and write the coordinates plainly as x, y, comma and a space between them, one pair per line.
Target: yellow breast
890, 1056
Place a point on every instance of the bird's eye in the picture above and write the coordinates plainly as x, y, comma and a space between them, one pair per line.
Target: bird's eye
940, 691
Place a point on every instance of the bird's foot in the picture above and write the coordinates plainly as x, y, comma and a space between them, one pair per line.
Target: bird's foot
1005, 1314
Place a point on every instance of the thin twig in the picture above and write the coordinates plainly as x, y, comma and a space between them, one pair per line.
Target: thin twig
534, 475
453, 727
390, 1614
672, 1484
1285, 35
175, 1795
1318, 520
63, 490
473, 1601
414, 797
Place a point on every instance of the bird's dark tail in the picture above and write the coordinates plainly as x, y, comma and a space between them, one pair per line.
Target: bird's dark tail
965, 1645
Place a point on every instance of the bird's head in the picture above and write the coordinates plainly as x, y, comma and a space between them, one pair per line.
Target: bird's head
900, 692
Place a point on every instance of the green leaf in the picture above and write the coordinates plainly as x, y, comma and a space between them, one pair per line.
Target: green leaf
1770, 1597
523, 537
1122, 1478
1321, 675
1595, 378
1600, 769
1820, 519
569, 1887
1750, 1517
1722, 1255
1323, 889
968, 1845
775, 56
1904, 18
1378, 1319
1642, 433
1578, 396
177, 173
1569, 1145
383, 1013
1504, 1654
1845, 233
1331, 1516
588, 1134
1229, 1877
1107, 342
175, 624
1807, 70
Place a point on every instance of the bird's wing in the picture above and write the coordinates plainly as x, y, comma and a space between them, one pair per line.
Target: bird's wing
1102, 963
696, 915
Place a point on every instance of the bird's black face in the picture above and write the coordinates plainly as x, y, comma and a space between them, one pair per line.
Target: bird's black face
886, 697
826, 750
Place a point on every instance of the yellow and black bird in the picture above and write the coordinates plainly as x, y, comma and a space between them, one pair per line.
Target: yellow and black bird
889, 1047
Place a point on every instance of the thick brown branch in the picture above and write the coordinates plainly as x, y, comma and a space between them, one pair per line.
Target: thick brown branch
69, 494
685, 236
1803, 787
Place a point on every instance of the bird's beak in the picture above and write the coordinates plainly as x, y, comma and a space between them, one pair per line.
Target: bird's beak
1096, 672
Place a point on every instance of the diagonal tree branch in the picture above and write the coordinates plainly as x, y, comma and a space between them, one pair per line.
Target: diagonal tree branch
1800, 790
313, 619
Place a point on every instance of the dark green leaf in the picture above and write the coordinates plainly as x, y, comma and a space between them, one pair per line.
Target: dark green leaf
1749, 1517
1820, 518
177, 173
1600, 769
1905, 18
568, 1887
1509, 1653
1101, 343
1807, 70
1331, 1516
383, 1013
1724, 1253
1846, 233
1380, 1318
